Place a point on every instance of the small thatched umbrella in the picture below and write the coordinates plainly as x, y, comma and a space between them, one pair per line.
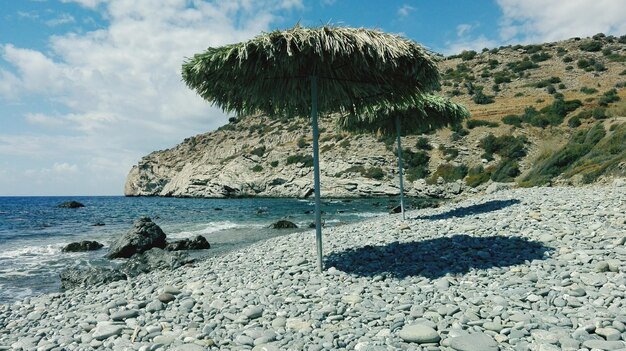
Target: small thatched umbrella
313, 70
430, 111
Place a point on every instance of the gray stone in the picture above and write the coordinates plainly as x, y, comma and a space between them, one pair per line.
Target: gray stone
604, 345
474, 342
609, 334
253, 312
124, 314
165, 297
104, 331
419, 333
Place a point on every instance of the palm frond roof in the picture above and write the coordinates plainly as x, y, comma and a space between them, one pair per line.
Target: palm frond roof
356, 69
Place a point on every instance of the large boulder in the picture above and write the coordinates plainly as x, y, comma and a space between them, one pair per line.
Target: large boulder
197, 243
74, 277
70, 204
154, 259
282, 224
81, 246
143, 236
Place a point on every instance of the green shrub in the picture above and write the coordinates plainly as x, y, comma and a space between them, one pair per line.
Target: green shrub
458, 132
608, 97
587, 90
256, 168
495, 88
513, 120
567, 59
507, 146
505, 171
546, 82
550, 89
549, 166
305, 160
531, 49
449, 152
449, 173
374, 173
467, 55
569, 68
502, 77
473, 123
622, 73
599, 113
302, 143
493, 63
591, 46
423, 144
540, 57
521, 66
415, 164
274, 164
574, 122
477, 176
482, 99
259, 151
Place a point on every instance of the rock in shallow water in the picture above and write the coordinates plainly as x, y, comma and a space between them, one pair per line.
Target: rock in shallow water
80, 246
75, 276
197, 243
143, 236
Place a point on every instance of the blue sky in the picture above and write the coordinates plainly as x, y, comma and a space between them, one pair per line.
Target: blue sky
87, 87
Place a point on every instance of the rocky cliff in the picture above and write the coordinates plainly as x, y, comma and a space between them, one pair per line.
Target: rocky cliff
570, 85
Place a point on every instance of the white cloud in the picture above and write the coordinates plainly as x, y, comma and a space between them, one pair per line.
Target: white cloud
463, 29
468, 43
64, 168
405, 10
546, 20
91, 4
118, 91
62, 19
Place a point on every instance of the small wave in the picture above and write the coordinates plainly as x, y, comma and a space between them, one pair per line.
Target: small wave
30, 251
212, 227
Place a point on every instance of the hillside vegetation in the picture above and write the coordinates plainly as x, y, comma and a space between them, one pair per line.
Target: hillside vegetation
553, 113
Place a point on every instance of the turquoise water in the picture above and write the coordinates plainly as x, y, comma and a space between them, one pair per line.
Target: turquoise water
33, 230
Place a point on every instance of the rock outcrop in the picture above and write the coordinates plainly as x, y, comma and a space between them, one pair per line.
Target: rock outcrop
270, 157
72, 277
197, 243
80, 246
143, 236
70, 204
283, 224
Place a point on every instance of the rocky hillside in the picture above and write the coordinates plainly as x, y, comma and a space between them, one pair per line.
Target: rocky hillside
541, 114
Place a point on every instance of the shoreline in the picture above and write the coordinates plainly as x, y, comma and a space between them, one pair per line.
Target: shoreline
516, 268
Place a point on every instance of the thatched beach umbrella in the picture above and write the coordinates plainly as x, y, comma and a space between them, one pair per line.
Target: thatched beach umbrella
313, 70
429, 112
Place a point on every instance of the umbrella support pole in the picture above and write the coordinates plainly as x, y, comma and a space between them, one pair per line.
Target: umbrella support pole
316, 173
400, 167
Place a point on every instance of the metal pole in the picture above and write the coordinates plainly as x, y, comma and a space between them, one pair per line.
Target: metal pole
316, 173
400, 167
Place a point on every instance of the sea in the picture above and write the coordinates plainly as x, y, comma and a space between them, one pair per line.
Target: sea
33, 230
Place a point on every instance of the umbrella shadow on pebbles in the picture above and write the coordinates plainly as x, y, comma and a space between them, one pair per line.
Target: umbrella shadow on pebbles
434, 258
489, 206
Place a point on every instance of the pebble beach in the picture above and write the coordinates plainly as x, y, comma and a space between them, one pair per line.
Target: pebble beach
519, 269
